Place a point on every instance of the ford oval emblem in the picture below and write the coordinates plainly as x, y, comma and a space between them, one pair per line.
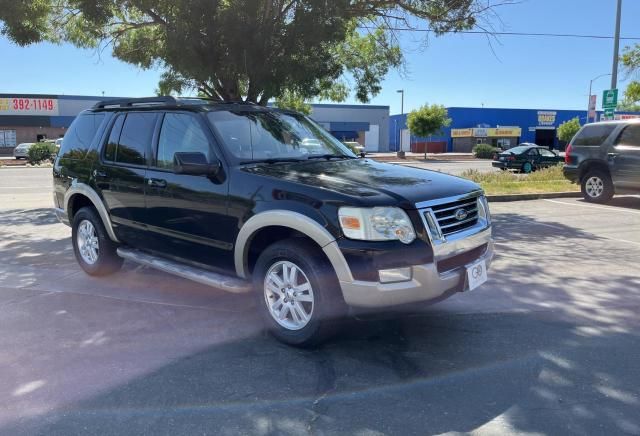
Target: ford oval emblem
461, 214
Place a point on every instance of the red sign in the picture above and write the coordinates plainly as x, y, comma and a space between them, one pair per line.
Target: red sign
28, 106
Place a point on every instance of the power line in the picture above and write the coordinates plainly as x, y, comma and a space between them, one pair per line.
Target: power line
486, 32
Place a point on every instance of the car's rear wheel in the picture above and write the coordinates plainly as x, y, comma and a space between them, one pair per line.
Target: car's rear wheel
527, 167
298, 293
597, 186
94, 250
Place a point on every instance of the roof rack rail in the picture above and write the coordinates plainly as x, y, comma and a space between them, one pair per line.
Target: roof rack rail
130, 102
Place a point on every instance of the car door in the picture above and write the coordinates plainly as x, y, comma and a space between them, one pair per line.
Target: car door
547, 158
624, 158
120, 175
188, 213
533, 156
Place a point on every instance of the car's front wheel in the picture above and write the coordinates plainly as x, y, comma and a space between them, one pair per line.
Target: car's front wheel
298, 293
597, 186
527, 167
94, 251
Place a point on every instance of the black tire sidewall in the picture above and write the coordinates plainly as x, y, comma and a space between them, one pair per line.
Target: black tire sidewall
108, 261
607, 192
327, 305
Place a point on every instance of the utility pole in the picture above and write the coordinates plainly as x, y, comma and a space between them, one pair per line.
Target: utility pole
616, 48
400, 150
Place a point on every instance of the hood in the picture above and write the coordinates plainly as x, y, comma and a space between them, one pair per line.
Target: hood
361, 178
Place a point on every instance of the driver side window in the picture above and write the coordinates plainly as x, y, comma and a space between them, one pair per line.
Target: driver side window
180, 133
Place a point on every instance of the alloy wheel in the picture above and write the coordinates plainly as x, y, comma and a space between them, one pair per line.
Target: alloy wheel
594, 187
288, 295
87, 239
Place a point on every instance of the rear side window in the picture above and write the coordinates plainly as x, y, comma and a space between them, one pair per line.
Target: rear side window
130, 138
79, 137
593, 134
630, 136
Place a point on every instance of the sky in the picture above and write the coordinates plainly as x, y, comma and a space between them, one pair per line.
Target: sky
453, 70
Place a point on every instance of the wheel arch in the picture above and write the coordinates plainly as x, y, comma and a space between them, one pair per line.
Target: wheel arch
592, 164
80, 195
291, 224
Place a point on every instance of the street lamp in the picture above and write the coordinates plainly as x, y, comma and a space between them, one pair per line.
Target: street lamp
400, 151
590, 86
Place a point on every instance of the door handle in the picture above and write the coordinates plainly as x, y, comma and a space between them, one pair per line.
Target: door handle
97, 173
157, 183
612, 156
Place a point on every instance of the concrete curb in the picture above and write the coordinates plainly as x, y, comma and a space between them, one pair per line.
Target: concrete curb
521, 197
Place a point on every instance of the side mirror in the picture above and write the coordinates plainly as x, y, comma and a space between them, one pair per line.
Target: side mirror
195, 164
362, 154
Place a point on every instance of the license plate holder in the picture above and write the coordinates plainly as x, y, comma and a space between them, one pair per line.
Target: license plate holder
476, 274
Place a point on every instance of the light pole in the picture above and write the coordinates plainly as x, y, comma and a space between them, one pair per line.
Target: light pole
400, 150
616, 48
590, 86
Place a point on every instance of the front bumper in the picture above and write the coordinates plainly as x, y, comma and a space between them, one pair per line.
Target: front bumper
61, 215
427, 282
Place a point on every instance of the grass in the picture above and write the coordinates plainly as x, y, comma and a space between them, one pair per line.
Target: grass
506, 182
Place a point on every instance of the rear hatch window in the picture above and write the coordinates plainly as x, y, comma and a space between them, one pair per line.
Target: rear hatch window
593, 134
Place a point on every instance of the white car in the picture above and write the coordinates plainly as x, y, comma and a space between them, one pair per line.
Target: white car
22, 150
58, 143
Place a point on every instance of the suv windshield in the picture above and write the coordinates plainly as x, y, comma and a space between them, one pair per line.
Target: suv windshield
261, 135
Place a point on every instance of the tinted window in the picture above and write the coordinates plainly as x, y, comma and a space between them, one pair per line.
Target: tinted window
630, 136
78, 138
519, 149
135, 138
114, 137
180, 133
546, 153
533, 152
593, 134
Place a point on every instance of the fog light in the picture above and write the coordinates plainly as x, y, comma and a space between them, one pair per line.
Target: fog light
395, 275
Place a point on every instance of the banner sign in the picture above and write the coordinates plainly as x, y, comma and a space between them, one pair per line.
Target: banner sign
482, 132
546, 118
28, 106
461, 133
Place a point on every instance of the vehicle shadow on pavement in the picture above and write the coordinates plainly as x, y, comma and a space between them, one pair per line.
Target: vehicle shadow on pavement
36, 217
542, 347
419, 375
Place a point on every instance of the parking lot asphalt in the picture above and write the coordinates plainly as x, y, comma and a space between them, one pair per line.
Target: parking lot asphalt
550, 344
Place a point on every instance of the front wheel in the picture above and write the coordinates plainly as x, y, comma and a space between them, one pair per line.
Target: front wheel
298, 293
527, 167
597, 187
94, 251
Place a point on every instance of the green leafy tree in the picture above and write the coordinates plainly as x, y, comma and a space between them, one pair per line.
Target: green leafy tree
631, 62
428, 120
256, 50
568, 129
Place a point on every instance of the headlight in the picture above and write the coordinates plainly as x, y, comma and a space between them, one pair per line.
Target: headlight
376, 224
483, 209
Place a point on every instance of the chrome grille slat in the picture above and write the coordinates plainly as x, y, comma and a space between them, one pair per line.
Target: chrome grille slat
448, 217
459, 223
445, 218
438, 209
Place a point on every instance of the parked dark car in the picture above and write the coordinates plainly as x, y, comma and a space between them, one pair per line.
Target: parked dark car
526, 158
253, 199
604, 158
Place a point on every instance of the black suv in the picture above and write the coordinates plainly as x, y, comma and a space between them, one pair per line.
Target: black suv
604, 158
253, 199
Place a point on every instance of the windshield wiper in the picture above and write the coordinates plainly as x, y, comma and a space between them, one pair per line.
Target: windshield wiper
330, 156
272, 160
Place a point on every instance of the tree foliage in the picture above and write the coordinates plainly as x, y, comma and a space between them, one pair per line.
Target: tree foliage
245, 49
568, 129
428, 120
631, 62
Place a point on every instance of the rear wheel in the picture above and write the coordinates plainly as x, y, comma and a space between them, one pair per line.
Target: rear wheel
298, 293
527, 167
597, 186
94, 250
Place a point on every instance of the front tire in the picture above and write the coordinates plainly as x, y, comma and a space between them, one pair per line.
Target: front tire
298, 293
94, 250
527, 167
597, 187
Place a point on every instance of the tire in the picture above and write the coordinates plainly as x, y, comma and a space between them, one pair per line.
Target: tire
321, 300
98, 256
527, 167
597, 187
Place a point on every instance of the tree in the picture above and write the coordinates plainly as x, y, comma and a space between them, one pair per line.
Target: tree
631, 62
254, 50
428, 120
568, 129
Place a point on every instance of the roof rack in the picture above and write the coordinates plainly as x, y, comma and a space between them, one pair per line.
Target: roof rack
130, 102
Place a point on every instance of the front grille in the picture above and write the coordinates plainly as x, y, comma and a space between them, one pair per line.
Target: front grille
452, 219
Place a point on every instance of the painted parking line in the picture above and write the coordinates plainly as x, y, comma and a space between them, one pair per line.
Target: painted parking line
609, 208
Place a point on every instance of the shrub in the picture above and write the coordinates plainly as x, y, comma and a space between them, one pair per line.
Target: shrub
484, 151
41, 151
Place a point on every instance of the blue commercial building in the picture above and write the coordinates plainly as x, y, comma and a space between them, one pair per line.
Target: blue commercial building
504, 127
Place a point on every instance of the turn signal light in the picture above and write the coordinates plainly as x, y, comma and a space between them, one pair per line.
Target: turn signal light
349, 222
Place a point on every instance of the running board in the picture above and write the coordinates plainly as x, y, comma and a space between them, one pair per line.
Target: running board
200, 275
